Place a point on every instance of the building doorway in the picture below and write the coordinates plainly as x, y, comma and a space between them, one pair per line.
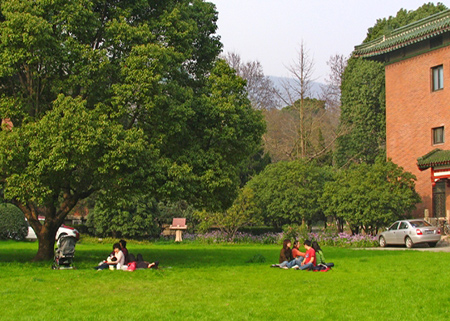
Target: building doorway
439, 209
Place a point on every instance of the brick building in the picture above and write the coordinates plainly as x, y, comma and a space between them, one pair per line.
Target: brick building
417, 65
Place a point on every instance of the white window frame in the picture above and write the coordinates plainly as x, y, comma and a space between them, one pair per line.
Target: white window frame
437, 78
438, 135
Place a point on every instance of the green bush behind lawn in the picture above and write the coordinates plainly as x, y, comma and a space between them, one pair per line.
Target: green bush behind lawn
215, 282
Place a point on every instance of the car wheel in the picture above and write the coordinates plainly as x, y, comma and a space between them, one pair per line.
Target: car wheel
408, 242
432, 244
382, 241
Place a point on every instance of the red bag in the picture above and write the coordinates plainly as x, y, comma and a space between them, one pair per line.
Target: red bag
131, 266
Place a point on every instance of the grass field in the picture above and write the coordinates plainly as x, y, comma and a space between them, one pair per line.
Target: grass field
215, 282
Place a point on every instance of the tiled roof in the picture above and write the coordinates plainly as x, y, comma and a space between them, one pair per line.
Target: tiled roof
434, 158
417, 31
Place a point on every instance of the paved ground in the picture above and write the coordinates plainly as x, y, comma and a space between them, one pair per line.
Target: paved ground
442, 246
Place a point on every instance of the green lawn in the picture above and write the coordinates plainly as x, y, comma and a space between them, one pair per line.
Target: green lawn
214, 282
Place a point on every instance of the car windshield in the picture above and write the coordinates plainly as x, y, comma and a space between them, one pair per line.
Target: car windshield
419, 223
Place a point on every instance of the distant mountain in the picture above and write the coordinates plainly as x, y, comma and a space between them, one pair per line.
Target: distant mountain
278, 83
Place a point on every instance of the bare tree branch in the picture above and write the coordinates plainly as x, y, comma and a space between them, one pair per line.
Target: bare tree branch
260, 88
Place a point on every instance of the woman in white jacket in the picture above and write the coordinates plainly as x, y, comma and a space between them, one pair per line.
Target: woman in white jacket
118, 261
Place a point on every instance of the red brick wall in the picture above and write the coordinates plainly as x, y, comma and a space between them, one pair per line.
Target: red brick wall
412, 110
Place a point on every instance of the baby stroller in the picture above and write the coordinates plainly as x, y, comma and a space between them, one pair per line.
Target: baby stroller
64, 253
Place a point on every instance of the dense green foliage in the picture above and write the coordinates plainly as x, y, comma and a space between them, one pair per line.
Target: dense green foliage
222, 282
138, 218
403, 17
288, 192
243, 212
120, 98
368, 197
362, 121
254, 165
134, 219
12, 223
328, 237
168, 210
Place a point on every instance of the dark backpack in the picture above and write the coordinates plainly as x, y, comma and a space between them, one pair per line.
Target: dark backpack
323, 267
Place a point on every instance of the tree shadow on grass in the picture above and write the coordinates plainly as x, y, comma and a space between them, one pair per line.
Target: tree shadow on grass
185, 257
173, 257
194, 258
15, 251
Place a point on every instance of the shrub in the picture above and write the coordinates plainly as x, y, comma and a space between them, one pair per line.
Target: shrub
344, 239
325, 238
12, 223
239, 237
296, 232
259, 230
243, 212
288, 192
257, 258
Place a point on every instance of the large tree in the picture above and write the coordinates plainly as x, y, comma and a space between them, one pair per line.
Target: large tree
368, 197
117, 97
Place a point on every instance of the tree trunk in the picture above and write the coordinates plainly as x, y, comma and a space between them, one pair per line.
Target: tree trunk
46, 241
46, 233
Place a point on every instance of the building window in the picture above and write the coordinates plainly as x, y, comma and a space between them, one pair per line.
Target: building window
438, 77
438, 135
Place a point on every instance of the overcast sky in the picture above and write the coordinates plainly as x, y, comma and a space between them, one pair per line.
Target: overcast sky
271, 31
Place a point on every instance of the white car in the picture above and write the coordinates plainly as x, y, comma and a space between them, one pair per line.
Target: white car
410, 232
63, 230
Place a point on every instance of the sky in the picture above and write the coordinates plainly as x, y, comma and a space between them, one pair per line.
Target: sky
271, 31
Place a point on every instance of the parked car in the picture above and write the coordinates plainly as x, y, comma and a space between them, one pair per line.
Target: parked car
63, 230
410, 232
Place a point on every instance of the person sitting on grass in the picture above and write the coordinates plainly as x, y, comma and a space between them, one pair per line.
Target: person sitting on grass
285, 255
320, 258
298, 256
321, 265
123, 248
118, 262
310, 257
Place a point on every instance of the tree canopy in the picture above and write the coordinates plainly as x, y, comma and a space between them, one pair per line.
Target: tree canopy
362, 120
288, 192
385, 26
370, 196
117, 97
